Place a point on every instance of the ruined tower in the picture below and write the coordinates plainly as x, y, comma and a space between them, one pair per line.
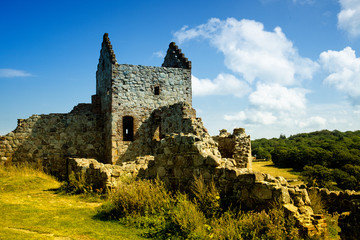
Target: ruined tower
128, 95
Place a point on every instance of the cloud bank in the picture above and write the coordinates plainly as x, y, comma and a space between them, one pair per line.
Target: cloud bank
223, 84
268, 70
349, 17
343, 68
264, 59
252, 52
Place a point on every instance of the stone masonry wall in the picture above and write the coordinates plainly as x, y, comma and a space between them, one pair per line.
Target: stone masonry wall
236, 146
49, 139
133, 95
104, 75
347, 204
177, 118
130, 91
180, 158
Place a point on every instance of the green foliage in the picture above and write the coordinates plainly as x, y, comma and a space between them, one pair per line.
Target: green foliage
317, 176
337, 152
206, 197
254, 225
148, 205
76, 184
141, 198
318, 206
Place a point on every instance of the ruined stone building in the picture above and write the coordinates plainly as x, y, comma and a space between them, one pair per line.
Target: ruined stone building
141, 123
133, 109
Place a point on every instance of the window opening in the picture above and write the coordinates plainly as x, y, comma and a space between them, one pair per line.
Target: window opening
157, 90
128, 128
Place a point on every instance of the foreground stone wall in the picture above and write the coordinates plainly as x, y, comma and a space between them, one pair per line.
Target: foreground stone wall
49, 139
347, 204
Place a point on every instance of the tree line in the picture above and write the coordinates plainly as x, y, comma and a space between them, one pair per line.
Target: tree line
325, 158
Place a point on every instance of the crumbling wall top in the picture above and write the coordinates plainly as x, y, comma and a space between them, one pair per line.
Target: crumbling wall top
107, 44
175, 58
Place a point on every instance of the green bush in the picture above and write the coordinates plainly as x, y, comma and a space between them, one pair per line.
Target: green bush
76, 184
185, 221
254, 225
148, 205
318, 176
142, 198
207, 197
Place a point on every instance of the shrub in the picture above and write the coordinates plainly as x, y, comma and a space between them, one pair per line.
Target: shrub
141, 198
317, 203
206, 197
184, 221
317, 176
76, 184
254, 225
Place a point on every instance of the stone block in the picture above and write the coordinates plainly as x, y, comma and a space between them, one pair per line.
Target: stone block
198, 160
247, 178
261, 192
213, 161
290, 208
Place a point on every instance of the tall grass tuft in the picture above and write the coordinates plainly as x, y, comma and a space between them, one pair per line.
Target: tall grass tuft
141, 198
254, 225
207, 197
24, 176
76, 184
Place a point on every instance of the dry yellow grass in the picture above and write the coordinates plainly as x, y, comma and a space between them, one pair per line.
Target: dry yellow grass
30, 208
270, 168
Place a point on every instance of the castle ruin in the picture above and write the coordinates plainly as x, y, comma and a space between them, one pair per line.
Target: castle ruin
133, 109
141, 123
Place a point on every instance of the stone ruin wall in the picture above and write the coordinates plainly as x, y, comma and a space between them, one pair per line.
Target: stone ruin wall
236, 146
347, 204
49, 139
133, 95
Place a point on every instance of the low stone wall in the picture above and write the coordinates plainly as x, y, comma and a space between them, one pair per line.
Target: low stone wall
104, 177
347, 204
49, 139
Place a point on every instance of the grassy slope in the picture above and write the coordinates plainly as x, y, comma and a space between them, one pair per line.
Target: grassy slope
270, 168
29, 209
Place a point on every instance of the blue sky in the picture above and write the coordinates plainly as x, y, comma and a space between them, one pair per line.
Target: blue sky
271, 66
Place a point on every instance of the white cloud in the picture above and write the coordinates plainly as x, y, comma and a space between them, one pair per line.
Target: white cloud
10, 73
344, 71
223, 84
278, 98
253, 117
159, 54
349, 17
315, 122
252, 52
273, 104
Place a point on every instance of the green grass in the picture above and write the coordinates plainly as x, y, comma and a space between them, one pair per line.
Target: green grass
30, 208
270, 168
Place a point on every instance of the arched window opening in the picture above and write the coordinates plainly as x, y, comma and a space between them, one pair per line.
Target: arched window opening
128, 128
